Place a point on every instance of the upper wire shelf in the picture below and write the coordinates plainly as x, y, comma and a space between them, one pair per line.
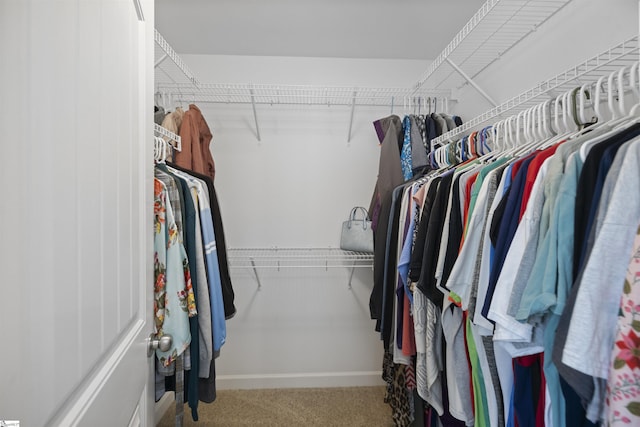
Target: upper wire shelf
300, 94
169, 66
491, 32
616, 57
160, 131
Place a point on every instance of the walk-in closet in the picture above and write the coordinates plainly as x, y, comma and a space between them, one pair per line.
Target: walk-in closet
180, 179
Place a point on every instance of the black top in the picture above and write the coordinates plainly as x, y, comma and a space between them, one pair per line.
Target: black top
427, 282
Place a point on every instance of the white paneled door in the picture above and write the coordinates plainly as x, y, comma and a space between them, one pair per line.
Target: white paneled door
76, 83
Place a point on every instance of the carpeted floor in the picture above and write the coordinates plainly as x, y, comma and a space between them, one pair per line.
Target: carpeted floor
353, 406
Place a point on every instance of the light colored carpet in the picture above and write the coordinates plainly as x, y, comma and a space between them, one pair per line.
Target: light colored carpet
352, 406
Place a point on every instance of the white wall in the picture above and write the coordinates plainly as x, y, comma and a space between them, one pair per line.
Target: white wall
293, 189
305, 328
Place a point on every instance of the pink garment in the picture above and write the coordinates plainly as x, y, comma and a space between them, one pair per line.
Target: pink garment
623, 386
408, 333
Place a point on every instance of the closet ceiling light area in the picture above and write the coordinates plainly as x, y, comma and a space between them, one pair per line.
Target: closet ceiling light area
406, 29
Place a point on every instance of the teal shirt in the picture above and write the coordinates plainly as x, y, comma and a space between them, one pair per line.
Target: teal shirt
545, 289
550, 280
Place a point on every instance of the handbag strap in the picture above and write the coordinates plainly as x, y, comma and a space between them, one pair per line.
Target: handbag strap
352, 216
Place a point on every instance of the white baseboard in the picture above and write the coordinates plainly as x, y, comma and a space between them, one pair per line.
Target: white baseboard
163, 405
300, 380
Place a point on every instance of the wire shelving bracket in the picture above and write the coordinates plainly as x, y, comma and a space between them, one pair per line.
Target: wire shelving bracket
497, 27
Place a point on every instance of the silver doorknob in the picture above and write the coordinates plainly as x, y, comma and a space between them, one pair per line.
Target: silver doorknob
163, 343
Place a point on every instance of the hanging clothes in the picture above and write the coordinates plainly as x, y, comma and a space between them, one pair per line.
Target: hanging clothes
195, 233
196, 138
398, 217
518, 261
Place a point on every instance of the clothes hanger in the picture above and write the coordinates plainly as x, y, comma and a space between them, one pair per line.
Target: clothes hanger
519, 126
529, 133
613, 107
558, 121
556, 115
566, 122
635, 79
501, 129
597, 100
538, 125
632, 88
527, 143
546, 119
488, 144
509, 136
473, 139
157, 149
583, 96
462, 146
621, 91
546, 114
612, 125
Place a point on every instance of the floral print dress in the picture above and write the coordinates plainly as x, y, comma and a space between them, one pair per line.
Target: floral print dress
174, 301
623, 387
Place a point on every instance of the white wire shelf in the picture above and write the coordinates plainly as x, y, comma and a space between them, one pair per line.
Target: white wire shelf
587, 72
160, 131
173, 77
169, 66
288, 258
300, 94
493, 30
297, 258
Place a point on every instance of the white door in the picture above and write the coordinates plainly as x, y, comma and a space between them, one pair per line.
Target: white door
76, 83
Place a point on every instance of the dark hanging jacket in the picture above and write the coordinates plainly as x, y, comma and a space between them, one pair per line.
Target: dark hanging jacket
389, 132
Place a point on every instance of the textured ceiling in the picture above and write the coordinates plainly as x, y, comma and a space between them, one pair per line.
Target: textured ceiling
401, 29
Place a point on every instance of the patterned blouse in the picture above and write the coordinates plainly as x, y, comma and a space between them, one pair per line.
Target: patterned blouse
174, 301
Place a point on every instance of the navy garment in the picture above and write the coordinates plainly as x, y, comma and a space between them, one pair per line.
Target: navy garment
575, 413
494, 228
191, 386
592, 176
432, 130
390, 266
456, 229
399, 291
427, 282
418, 248
437, 124
507, 229
379, 266
526, 390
